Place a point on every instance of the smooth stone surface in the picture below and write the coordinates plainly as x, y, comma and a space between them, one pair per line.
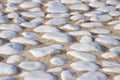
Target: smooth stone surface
32, 65
114, 22
57, 21
108, 40
101, 31
116, 27
57, 15
110, 64
7, 78
77, 17
106, 8
29, 34
70, 27
38, 75
30, 24
84, 66
33, 14
83, 55
15, 59
15, 1
92, 76
83, 7
57, 36
25, 40
101, 18
86, 39
67, 75
58, 61
46, 28
71, 2
57, 46
81, 32
110, 55
19, 20
91, 24
56, 7
56, 69
115, 49
11, 48
44, 51
8, 34
114, 13
13, 15
96, 3
29, 4
13, 27
7, 69
112, 69
86, 47
113, 2
3, 19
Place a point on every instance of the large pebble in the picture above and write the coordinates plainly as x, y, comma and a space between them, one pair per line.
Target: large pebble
83, 55
84, 66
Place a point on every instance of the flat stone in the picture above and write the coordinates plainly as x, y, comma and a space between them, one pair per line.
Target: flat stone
106, 8
101, 18
110, 55
70, 27
100, 31
7, 69
115, 49
38, 75
33, 14
81, 32
52, 15
57, 36
15, 1
19, 20
93, 13
32, 65
25, 40
8, 34
37, 19
114, 22
114, 13
109, 36
30, 34
108, 40
86, 39
97, 4
30, 24
84, 66
46, 28
3, 19
13, 15
112, 69
15, 58
83, 55
67, 75
57, 46
92, 76
13, 27
36, 9
56, 69
7, 78
44, 51
71, 2
58, 61
57, 21
91, 24
56, 7
110, 64
117, 77
112, 2
77, 17
29, 4
116, 27
86, 47
11, 48
38, 1
82, 7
